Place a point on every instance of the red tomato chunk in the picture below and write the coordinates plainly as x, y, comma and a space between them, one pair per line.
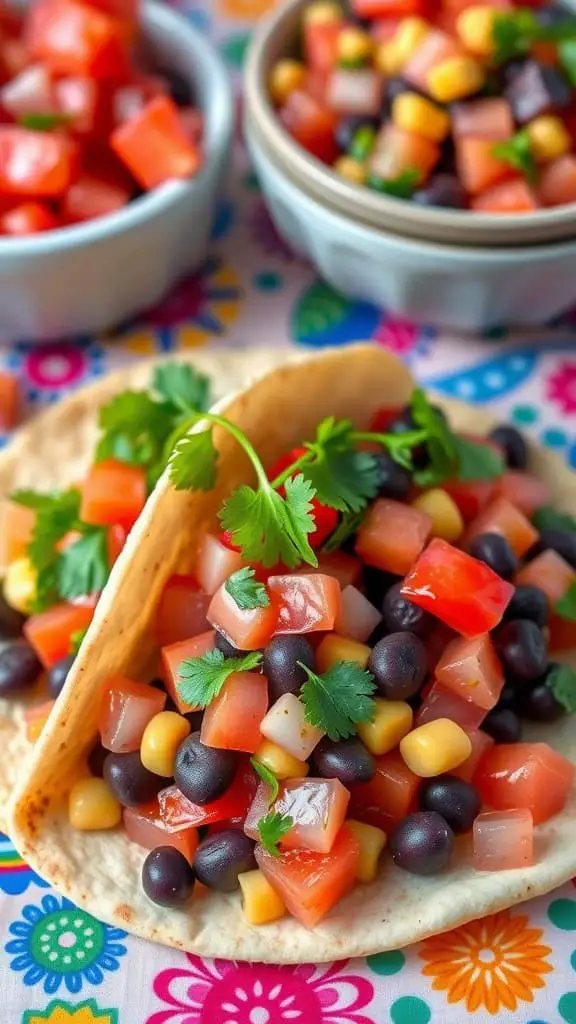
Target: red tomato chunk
144, 826
50, 632
232, 721
113, 492
126, 709
75, 39
154, 146
35, 164
177, 812
305, 603
530, 776
471, 669
317, 808
182, 611
172, 658
249, 629
392, 536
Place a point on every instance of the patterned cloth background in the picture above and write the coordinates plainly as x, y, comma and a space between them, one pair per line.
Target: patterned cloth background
58, 965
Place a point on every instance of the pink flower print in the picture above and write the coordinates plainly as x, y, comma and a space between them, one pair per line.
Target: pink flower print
223, 992
54, 366
561, 388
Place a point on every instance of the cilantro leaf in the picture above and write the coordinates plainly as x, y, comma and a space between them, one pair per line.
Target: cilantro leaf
43, 122
562, 681
517, 152
440, 442
401, 187
76, 639
267, 776
245, 591
194, 462
513, 34
338, 699
269, 528
83, 567
134, 428
567, 54
182, 387
342, 477
477, 461
350, 522
201, 679
56, 515
32, 499
566, 606
548, 518
271, 830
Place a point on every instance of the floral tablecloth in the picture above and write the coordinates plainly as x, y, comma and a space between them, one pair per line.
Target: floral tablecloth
58, 965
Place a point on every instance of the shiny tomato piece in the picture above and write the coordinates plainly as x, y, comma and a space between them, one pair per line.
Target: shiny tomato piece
9, 399
249, 629
471, 496
29, 218
392, 536
181, 611
217, 560
550, 573
317, 808
342, 566
524, 490
143, 825
562, 634
91, 197
308, 883
472, 669
481, 742
35, 718
50, 633
501, 516
387, 8
513, 196
177, 812
389, 797
458, 589
72, 38
321, 44
153, 145
312, 125
172, 658
503, 840
232, 721
258, 809
125, 711
38, 164
398, 151
16, 526
440, 702
525, 775
478, 167
126, 10
113, 492
305, 602
382, 419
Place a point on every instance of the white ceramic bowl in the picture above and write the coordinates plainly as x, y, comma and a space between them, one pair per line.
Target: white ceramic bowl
458, 287
89, 277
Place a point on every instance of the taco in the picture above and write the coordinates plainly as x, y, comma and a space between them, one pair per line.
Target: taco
44, 462
335, 766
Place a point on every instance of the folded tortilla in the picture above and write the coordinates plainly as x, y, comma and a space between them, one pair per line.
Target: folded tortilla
101, 871
54, 450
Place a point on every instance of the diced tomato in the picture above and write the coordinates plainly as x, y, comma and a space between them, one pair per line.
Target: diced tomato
387, 8
392, 536
217, 560
489, 118
503, 840
232, 721
382, 419
30, 92
36, 717
14, 56
478, 167
321, 44
75, 39
85, 103
458, 589
50, 632
317, 808
310, 884
342, 566
126, 10
249, 629
472, 669
557, 182
383, 29
325, 517
177, 812
562, 634
91, 197
29, 218
305, 602
440, 702
435, 48
525, 775
16, 526
113, 492
502, 517
125, 711
172, 658
38, 164
181, 611
153, 145
9, 400
471, 496
143, 825
506, 197
525, 491
389, 797
397, 151
311, 124
481, 742
550, 573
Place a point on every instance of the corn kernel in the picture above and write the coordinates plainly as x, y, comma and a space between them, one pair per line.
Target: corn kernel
286, 76
455, 78
414, 113
282, 764
386, 59
391, 722
354, 45
410, 33
475, 28
334, 648
160, 741
20, 585
92, 806
435, 748
549, 138
351, 170
372, 841
260, 902
322, 13
447, 521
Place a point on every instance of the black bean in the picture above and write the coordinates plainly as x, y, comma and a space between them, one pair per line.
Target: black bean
402, 616
422, 843
457, 801
528, 603
561, 541
495, 551
399, 663
19, 668
503, 725
522, 649
11, 621
58, 674
394, 480
203, 773
347, 760
167, 878
222, 857
130, 781
513, 445
280, 664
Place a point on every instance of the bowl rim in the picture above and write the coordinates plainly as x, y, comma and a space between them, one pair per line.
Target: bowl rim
155, 18
341, 192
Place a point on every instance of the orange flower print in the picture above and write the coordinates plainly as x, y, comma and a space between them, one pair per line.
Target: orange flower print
494, 963
244, 10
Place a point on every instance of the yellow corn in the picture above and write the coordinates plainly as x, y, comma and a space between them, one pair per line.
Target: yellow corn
548, 138
393, 55
350, 169
335, 648
20, 585
282, 764
286, 76
322, 12
416, 114
160, 741
372, 841
260, 902
447, 521
354, 45
435, 748
92, 806
391, 722
455, 78
475, 28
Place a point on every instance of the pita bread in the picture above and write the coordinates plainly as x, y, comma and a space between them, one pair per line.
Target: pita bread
101, 871
55, 449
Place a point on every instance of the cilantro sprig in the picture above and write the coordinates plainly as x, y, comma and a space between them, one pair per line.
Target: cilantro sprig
561, 681
340, 698
548, 518
566, 606
43, 122
268, 777
76, 639
246, 592
449, 454
56, 515
514, 33
401, 187
201, 679
517, 152
272, 829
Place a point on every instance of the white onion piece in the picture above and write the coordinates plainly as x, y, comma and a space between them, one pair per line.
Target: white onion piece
358, 617
285, 725
355, 92
258, 809
216, 563
31, 92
